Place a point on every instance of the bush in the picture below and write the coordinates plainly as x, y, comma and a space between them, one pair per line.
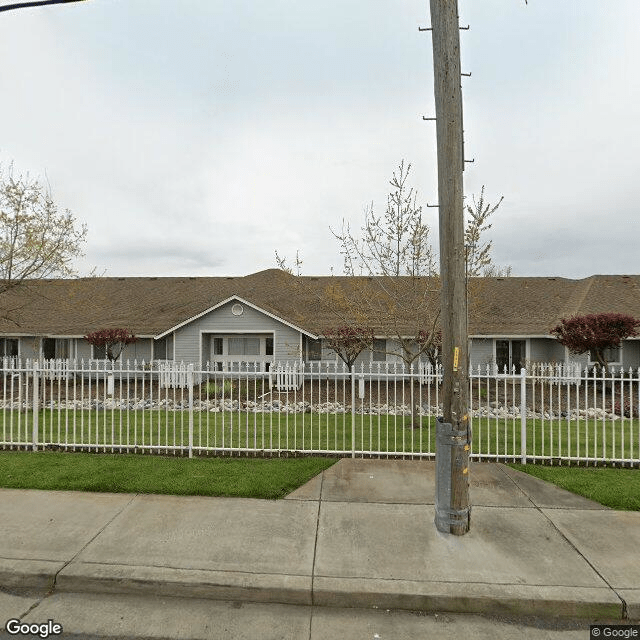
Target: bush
213, 390
625, 410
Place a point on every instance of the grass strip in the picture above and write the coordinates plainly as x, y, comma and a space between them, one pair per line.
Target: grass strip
269, 478
617, 488
165, 431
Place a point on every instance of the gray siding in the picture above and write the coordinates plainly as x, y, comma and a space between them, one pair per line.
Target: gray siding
365, 361
631, 354
394, 348
286, 344
481, 352
139, 350
29, 347
546, 350
83, 349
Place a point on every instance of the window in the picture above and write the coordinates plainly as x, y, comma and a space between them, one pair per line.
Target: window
56, 348
611, 356
8, 347
160, 349
314, 349
239, 347
99, 353
379, 350
510, 354
244, 346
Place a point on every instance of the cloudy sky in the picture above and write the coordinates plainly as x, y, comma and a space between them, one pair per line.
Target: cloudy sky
197, 137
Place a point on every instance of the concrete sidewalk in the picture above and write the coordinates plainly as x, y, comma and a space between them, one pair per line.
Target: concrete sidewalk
359, 535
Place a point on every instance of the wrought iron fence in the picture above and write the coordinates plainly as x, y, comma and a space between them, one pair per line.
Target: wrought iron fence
548, 413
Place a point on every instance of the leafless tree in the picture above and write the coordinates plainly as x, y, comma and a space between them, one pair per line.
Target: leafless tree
396, 284
478, 253
390, 246
395, 244
36, 239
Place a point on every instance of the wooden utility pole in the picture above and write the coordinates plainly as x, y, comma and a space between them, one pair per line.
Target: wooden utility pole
452, 452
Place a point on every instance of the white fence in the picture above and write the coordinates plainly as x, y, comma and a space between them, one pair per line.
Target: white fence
552, 413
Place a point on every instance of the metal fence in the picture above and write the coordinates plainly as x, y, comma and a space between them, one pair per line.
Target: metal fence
549, 412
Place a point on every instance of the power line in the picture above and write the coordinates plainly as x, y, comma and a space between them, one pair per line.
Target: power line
34, 3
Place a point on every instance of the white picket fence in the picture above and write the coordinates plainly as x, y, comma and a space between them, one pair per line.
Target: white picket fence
551, 413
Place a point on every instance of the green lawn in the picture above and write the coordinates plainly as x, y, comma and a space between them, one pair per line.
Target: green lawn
251, 477
115, 473
614, 487
169, 430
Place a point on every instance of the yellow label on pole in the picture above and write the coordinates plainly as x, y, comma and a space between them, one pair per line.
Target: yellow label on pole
456, 355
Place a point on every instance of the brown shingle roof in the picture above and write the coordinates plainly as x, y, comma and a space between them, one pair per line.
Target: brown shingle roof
150, 306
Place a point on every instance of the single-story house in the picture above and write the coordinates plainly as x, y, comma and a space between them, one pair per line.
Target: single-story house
272, 316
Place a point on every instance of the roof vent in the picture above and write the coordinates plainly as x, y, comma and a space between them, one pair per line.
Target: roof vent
230, 278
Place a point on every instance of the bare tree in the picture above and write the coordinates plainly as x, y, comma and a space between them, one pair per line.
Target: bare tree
282, 264
395, 251
478, 253
395, 244
396, 283
36, 239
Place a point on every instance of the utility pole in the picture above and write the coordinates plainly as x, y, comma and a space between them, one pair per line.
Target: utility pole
453, 434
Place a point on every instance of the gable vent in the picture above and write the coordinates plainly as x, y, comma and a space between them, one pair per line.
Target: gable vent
237, 309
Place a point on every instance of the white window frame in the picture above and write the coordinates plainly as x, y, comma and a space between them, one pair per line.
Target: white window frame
225, 335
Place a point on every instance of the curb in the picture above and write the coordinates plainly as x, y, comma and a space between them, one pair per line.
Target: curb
430, 597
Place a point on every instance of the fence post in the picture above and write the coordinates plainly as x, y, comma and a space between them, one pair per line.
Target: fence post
36, 404
353, 412
523, 416
190, 383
